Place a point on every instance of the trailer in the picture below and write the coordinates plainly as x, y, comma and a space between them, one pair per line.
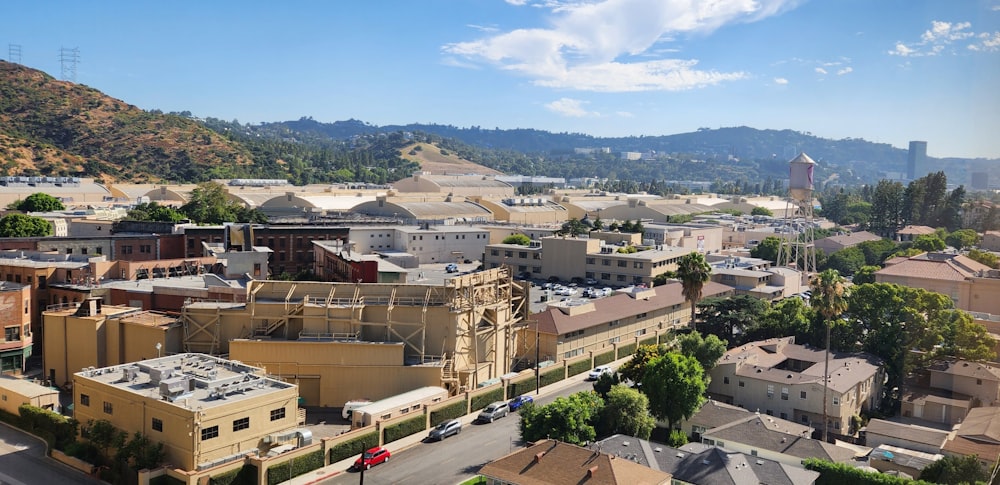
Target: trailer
398, 405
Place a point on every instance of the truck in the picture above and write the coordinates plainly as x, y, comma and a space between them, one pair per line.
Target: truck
398, 405
351, 405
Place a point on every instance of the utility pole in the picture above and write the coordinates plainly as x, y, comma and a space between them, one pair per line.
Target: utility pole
538, 377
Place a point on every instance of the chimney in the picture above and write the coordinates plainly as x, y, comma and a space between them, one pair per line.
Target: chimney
538, 456
592, 471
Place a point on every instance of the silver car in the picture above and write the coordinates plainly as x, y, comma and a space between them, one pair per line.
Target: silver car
492, 412
445, 429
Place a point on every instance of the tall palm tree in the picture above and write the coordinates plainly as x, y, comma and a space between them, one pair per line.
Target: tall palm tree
829, 299
694, 272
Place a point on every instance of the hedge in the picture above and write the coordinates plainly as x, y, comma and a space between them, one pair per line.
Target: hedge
353, 446
451, 411
649, 341
578, 367
403, 429
484, 399
58, 430
553, 376
627, 349
605, 358
169, 480
521, 387
246, 475
294, 467
836, 473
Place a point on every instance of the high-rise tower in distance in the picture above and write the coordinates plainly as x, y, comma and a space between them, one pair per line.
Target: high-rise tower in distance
916, 160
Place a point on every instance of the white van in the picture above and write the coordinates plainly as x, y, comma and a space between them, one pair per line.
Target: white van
350, 406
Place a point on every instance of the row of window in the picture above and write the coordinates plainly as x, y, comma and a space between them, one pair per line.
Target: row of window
442, 237
784, 391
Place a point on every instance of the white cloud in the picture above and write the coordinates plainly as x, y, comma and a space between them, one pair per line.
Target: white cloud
780, 80
846, 70
624, 114
593, 45
517, 3
570, 107
482, 28
939, 37
986, 42
820, 70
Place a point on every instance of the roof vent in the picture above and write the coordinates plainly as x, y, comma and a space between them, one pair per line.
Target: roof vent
592, 471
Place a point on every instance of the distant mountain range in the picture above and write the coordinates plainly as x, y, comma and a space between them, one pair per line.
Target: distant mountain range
51, 127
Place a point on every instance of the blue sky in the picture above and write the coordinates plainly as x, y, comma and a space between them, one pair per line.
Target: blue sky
883, 70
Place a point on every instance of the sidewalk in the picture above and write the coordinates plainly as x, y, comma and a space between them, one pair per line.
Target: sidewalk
342, 466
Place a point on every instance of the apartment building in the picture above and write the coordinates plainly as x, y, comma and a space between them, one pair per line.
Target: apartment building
971, 285
573, 257
205, 410
780, 378
950, 389
15, 317
570, 328
755, 277
291, 245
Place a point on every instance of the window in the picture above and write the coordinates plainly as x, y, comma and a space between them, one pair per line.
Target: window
979, 382
637, 265
614, 323
606, 262
69, 250
157, 424
836, 401
620, 277
743, 384
508, 254
573, 334
784, 415
83, 250
622, 264
242, 423
99, 250
109, 408
770, 391
522, 254
641, 315
614, 340
725, 380
209, 433
84, 400
605, 276
805, 419
591, 260
126, 249
784, 393
12, 333
802, 394
277, 414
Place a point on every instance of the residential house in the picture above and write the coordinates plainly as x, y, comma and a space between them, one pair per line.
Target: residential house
781, 378
971, 285
880, 432
911, 233
837, 242
775, 439
978, 435
556, 463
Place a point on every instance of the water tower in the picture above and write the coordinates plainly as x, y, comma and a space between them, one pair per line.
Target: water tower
797, 238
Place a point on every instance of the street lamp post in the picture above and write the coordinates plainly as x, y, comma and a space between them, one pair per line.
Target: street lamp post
158, 347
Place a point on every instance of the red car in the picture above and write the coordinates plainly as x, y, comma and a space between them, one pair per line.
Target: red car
372, 457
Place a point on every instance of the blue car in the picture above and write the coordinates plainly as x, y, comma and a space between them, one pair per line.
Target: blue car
519, 401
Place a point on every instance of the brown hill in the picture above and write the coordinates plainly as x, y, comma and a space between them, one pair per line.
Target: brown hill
50, 127
431, 159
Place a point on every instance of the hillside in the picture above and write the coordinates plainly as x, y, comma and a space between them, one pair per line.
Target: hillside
51, 127
432, 159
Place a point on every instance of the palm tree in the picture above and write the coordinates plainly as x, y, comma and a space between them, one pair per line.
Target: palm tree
829, 299
693, 271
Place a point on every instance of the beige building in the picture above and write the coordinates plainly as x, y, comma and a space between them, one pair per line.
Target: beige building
425, 244
550, 462
574, 327
95, 335
15, 317
15, 392
458, 185
971, 285
524, 210
832, 244
756, 277
205, 410
780, 378
572, 257
341, 341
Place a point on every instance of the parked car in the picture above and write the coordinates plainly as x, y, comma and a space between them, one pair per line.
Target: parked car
374, 456
598, 371
590, 281
519, 401
493, 412
445, 429
607, 291
451, 268
590, 293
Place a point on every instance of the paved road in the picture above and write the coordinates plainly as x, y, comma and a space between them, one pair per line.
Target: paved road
23, 462
455, 459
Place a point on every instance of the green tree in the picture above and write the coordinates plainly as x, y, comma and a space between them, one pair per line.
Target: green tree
887, 208
953, 470
761, 211
605, 382
209, 203
876, 252
519, 239
767, 249
20, 225
38, 202
962, 238
727, 318
675, 385
706, 350
573, 227
962, 337
140, 452
984, 257
846, 261
865, 274
104, 436
634, 370
790, 316
829, 298
694, 272
568, 419
152, 211
928, 242
598, 224
626, 411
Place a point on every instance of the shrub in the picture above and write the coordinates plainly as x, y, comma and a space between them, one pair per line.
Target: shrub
353, 446
578, 367
294, 467
406, 428
246, 475
484, 399
521, 387
677, 438
649, 341
605, 358
451, 411
84, 450
55, 428
836, 473
553, 376
627, 349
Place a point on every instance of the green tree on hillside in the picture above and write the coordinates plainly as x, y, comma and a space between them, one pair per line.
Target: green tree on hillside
37, 202
20, 225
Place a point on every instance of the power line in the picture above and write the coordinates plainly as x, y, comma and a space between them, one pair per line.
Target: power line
68, 59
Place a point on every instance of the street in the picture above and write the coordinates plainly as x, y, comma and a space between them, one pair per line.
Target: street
23, 462
455, 459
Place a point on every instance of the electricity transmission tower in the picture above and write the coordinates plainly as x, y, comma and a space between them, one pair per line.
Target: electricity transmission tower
68, 59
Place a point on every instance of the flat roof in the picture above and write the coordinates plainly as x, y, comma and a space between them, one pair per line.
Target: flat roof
26, 388
189, 381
